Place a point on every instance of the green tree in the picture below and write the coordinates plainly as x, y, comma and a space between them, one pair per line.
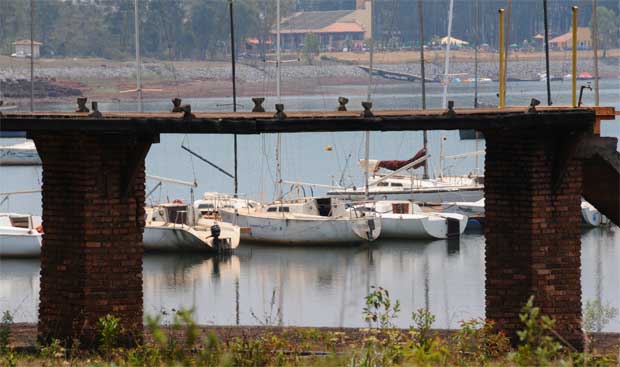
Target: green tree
608, 28
311, 47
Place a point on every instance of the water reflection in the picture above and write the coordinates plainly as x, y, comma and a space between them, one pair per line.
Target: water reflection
325, 286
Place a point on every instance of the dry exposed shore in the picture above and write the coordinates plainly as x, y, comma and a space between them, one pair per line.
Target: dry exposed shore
104, 80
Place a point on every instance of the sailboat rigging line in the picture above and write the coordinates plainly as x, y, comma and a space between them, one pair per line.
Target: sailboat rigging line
234, 90
446, 79
547, 52
207, 161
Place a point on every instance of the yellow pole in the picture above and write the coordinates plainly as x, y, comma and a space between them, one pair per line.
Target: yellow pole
574, 76
502, 71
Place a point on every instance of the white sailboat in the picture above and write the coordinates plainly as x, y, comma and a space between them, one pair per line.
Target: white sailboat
406, 220
308, 221
20, 235
171, 227
401, 185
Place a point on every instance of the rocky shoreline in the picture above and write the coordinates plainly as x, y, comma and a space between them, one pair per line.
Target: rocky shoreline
103, 79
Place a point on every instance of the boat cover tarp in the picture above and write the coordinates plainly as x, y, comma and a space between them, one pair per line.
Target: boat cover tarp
397, 164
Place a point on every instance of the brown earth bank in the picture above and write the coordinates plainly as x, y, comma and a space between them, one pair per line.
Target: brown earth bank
61, 80
24, 335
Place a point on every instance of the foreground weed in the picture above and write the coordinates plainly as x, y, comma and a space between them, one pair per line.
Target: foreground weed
382, 345
109, 331
53, 353
248, 352
478, 342
426, 348
379, 309
536, 345
5, 331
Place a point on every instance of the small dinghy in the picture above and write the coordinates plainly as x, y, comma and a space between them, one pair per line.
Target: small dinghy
173, 227
22, 154
20, 235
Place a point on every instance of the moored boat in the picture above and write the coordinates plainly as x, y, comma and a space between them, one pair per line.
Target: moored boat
307, 221
172, 227
404, 219
20, 235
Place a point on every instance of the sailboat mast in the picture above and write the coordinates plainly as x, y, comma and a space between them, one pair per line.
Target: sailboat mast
446, 78
369, 95
547, 52
138, 59
279, 96
234, 87
31, 55
477, 30
423, 76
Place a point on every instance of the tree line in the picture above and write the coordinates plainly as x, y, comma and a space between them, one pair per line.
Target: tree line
199, 29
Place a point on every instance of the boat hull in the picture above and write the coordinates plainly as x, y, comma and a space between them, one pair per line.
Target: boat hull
420, 227
23, 154
434, 196
19, 242
298, 231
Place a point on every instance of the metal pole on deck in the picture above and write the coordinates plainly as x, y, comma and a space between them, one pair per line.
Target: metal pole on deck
234, 86
547, 53
502, 78
370, 66
138, 58
423, 75
31, 56
575, 11
595, 50
446, 78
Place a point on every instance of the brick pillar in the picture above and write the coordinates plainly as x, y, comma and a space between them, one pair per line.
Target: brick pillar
533, 230
93, 219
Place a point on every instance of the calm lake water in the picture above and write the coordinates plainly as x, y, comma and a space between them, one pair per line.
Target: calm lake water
317, 286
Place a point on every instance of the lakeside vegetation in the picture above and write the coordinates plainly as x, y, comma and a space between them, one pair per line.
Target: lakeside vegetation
476, 343
198, 29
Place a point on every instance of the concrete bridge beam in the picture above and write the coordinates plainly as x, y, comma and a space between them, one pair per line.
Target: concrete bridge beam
533, 229
93, 220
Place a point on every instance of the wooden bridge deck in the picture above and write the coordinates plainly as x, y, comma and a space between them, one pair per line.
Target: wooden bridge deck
307, 121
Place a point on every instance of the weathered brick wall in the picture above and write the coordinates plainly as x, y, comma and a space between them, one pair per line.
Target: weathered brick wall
91, 261
533, 232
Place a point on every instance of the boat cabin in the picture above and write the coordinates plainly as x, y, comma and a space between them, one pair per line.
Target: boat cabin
324, 207
173, 213
17, 221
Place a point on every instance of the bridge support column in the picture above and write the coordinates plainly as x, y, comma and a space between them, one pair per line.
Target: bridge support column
93, 219
533, 230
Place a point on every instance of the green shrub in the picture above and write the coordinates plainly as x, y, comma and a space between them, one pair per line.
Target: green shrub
379, 309
5, 332
477, 341
536, 345
249, 352
109, 331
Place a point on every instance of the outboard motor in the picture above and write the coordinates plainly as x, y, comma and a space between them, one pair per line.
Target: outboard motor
215, 233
